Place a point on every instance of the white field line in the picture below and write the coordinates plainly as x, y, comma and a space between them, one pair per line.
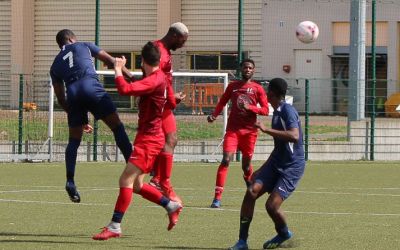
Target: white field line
204, 208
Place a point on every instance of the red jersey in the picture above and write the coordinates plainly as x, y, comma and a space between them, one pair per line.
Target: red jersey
239, 93
166, 67
152, 92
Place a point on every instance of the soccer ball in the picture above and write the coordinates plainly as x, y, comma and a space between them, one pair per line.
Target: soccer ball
307, 32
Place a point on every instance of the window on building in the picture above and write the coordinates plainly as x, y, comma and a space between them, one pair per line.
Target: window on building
212, 60
340, 82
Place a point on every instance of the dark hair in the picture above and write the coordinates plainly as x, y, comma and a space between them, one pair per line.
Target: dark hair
247, 60
278, 86
151, 54
63, 36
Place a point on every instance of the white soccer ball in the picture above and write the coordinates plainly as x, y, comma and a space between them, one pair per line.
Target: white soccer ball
307, 32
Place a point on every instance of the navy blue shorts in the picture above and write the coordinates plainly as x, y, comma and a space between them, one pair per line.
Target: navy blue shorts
274, 177
87, 95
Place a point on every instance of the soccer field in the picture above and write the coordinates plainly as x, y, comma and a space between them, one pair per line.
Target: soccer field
338, 205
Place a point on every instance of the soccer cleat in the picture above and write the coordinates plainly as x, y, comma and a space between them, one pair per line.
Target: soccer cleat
240, 245
216, 203
174, 214
72, 192
276, 241
106, 234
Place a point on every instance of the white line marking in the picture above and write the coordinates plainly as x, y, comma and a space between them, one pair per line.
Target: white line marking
55, 202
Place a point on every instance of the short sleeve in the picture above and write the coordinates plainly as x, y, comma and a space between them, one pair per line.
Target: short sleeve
94, 50
54, 77
290, 117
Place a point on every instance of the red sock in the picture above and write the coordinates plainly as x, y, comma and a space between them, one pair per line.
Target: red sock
247, 174
166, 164
220, 182
156, 169
124, 199
151, 193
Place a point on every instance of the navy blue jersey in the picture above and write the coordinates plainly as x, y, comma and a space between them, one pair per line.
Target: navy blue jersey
287, 153
74, 62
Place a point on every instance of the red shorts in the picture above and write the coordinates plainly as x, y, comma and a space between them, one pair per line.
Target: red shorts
168, 121
244, 140
145, 150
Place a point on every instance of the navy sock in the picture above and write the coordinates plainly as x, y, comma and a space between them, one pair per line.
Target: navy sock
244, 228
283, 231
71, 153
117, 216
122, 140
164, 201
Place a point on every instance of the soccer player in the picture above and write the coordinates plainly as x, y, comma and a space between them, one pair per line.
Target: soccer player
174, 39
73, 69
148, 143
240, 132
280, 174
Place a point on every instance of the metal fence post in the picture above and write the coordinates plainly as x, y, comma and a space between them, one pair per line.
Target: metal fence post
20, 112
307, 119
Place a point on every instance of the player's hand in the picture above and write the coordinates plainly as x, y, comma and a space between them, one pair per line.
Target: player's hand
211, 118
87, 129
180, 96
244, 106
260, 125
119, 63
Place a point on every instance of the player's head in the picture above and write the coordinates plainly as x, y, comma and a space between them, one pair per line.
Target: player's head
247, 67
151, 54
277, 89
64, 37
177, 35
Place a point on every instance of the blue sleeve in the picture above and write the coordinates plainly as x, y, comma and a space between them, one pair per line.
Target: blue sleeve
54, 77
291, 117
94, 50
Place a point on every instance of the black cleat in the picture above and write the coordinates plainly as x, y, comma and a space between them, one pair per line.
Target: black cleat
72, 192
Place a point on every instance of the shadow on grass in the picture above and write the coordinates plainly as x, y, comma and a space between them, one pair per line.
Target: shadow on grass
37, 235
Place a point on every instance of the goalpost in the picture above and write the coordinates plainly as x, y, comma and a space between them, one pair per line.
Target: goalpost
203, 90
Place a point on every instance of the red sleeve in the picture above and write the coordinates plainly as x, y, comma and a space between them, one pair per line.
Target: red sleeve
263, 101
223, 101
141, 87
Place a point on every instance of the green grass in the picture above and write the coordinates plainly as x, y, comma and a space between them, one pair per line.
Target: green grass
338, 205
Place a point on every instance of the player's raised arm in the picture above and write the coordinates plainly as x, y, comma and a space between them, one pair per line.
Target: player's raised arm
140, 87
110, 60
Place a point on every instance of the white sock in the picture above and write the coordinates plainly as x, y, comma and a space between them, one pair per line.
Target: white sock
172, 206
114, 227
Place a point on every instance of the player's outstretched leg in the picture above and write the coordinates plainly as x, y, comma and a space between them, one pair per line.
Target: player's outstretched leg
122, 140
70, 161
113, 229
73, 193
219, 184
165, 169
240, 245
277, 240
173, 208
